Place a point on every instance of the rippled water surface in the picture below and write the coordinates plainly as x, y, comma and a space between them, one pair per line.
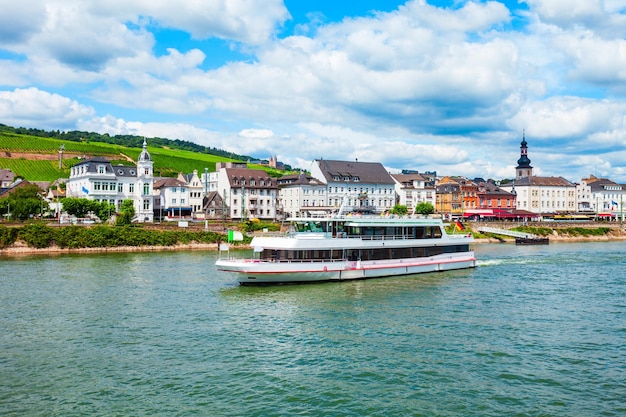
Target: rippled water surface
532, 331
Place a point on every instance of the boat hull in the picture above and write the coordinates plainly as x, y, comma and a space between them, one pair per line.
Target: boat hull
255, 272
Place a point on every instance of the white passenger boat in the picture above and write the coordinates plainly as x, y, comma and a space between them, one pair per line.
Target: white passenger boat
350, 247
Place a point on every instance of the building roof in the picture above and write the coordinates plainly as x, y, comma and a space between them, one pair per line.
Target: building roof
6, 175
491, 188
603, 184
168, 182
298, 179
92, 164
144, 155
238, 177
364, 172
542, 181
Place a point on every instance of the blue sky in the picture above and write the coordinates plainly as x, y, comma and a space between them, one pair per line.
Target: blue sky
447, 86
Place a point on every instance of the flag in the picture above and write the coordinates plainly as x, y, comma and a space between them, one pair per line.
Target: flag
234, 235
85, 190
459, 226
614, 203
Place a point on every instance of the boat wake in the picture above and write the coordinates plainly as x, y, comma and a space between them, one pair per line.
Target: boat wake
503, 261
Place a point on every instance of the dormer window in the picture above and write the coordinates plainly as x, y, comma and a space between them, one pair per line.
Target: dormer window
252, 182
355, 179
346, 178
101, 169
336, 178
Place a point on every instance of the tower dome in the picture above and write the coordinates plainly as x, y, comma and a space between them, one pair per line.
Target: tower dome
523, 168
144, 155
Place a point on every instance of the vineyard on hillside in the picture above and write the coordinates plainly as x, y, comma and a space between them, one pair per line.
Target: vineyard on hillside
36, 158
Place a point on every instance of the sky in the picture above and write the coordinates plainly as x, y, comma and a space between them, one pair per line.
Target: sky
449, 86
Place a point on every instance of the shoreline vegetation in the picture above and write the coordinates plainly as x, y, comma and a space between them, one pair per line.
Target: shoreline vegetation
41, 239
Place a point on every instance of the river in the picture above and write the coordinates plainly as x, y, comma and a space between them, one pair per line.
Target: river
532, 331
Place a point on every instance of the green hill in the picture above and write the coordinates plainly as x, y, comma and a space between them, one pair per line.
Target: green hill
34, 154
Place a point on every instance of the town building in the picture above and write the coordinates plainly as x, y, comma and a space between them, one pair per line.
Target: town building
364, 187
6, 178
492, 197
171, 200
214, 206
540, 195
301, 195
601, 197
246, 193
449, 199
197, 192
414, 188
97, 179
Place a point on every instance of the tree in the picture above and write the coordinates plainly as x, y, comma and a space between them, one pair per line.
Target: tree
424, 208
400, 210
127, 212
78, 207
23, 202
104, 210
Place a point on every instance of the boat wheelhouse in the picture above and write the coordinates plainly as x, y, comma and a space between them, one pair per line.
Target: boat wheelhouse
351, 247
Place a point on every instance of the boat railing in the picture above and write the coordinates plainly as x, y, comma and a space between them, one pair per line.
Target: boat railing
393, 237
301, 260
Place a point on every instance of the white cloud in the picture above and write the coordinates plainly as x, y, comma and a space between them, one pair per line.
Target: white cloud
421, 87
32, 107
246, 21
570, 118
604, 17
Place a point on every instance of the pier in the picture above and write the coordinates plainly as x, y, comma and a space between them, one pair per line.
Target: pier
521, 238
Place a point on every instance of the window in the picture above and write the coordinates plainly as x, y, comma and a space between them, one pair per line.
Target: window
120, 187
100, 169
146, 204
146, 189
173, 201
131, 188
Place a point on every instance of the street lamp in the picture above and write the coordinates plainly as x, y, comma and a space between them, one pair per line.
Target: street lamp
204, 200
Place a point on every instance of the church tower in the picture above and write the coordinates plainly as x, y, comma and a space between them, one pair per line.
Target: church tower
523, 168
145, 177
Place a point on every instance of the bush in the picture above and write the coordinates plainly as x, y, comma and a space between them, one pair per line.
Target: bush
8, 236
37, 235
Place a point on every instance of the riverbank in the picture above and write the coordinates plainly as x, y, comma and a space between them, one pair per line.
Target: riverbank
20, 248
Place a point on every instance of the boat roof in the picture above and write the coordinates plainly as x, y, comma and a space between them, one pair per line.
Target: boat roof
371, 220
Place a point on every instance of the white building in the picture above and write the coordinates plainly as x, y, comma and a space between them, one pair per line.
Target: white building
246, 193
413, 189
540, 195
196, 189
302, 196
602, 197
367, 186
97, 179
172, 199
